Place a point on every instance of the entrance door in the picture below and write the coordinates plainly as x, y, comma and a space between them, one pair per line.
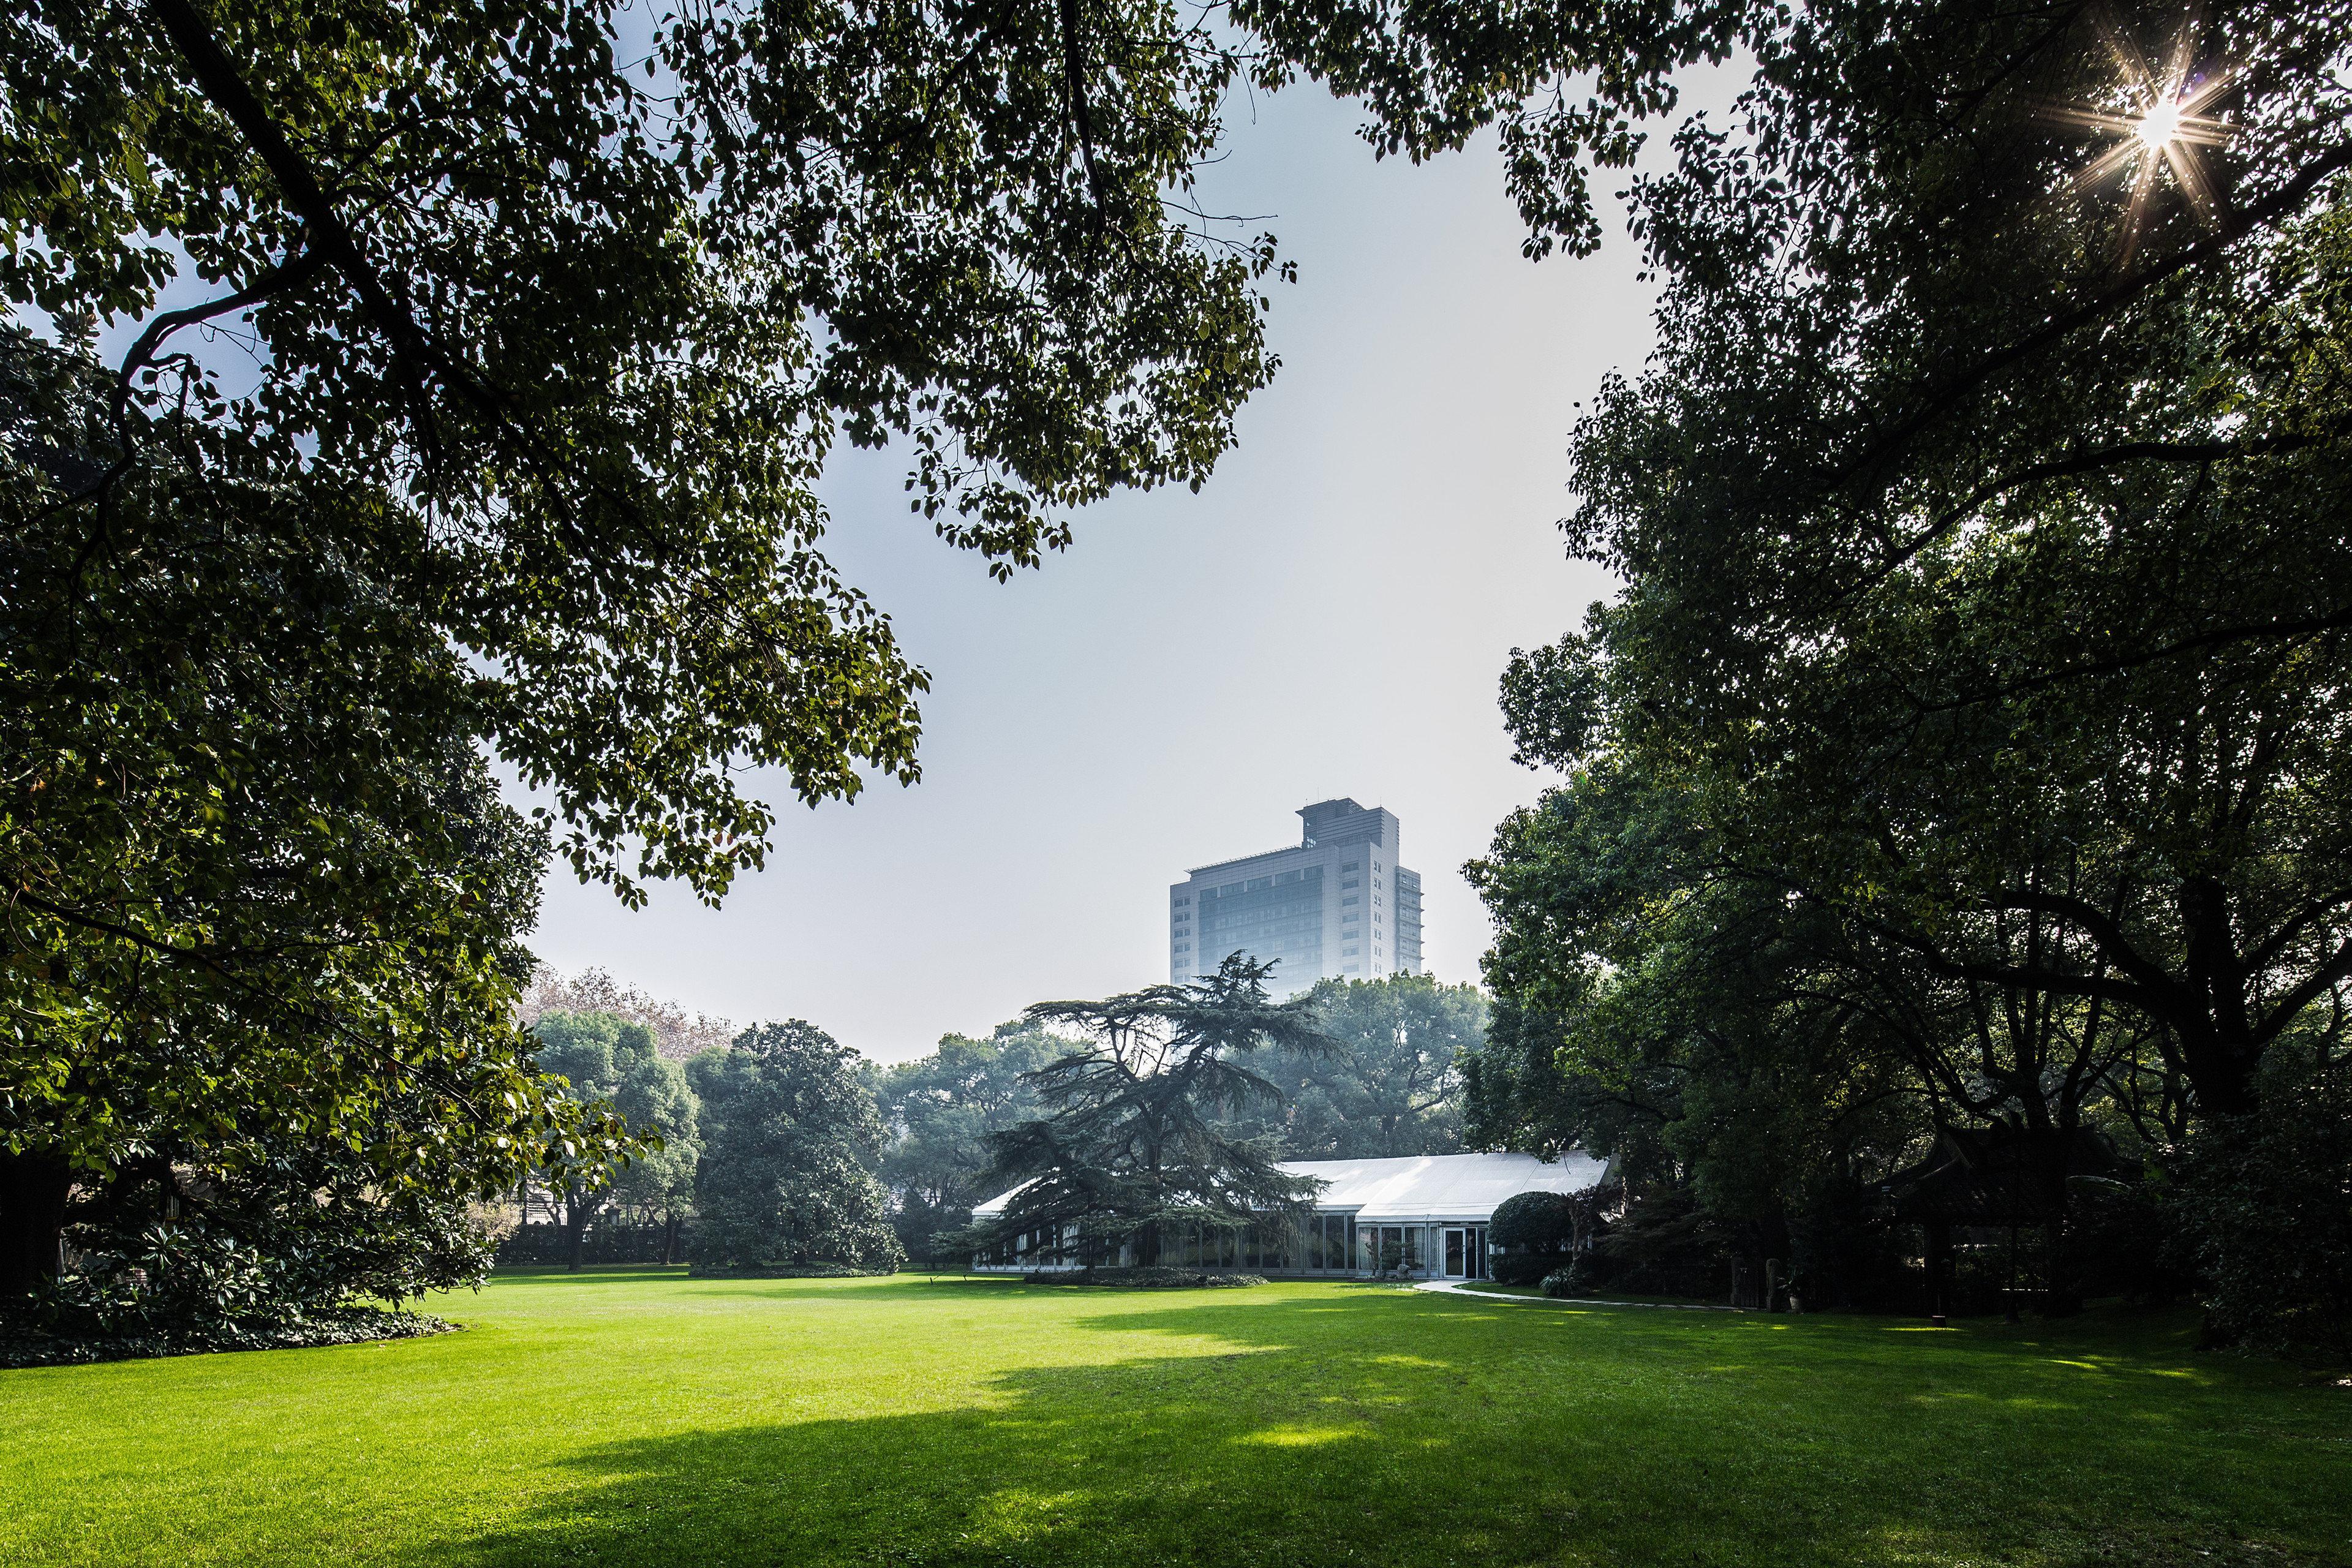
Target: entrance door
1457, 1252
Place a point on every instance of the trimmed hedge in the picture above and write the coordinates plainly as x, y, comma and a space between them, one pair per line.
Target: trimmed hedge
1534, 1221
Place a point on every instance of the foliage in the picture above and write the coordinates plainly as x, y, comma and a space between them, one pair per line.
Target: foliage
939, 1111
1387, 1085
1561, 1284
537, 368
26, 1345
2264, 1210
931, 260
1540, 1222
1915, 514
266, 912
817, 1270
264, 899
677, 1035
615, 1067
1158, 1277
1130, 1146
788, 1171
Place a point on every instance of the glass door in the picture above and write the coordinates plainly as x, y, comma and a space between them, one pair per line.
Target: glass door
1457, 1252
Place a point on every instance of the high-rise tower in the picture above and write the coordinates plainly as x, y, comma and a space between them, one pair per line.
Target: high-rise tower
1338, 905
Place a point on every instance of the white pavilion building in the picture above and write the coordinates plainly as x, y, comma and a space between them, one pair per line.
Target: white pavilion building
1430, 1211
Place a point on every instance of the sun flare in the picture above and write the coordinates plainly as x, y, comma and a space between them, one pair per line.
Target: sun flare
2159, 126
2161, 136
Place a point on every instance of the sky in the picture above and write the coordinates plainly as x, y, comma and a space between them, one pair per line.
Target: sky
1327, 616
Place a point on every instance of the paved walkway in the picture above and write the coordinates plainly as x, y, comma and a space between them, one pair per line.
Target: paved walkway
1456, 1288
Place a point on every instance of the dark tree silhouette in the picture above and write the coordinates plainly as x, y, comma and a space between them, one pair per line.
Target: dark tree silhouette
1131, 1143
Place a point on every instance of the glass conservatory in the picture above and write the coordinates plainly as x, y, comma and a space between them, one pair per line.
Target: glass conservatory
1418, 1216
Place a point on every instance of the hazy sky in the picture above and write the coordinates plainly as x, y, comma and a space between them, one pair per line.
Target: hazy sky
1326, 618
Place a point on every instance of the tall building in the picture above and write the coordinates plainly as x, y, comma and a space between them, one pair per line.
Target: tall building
1338, 905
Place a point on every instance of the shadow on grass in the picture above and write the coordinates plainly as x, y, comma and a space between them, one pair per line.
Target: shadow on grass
1388, 1429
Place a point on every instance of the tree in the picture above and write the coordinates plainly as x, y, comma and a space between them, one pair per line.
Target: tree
1711, 1025
614, 1065
655, 1185
543, 366
1388, 1083
677, 1034
428, 223
301, 1078
938, 1112
1130, 1145
788, 1171
1980, 518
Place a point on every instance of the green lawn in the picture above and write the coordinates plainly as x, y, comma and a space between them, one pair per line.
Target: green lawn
636, 1417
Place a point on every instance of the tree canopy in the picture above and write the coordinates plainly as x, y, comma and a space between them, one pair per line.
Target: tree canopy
938, 1112
787, 1175
1971, 727
1385, 1081
614, 1065
1130, 1145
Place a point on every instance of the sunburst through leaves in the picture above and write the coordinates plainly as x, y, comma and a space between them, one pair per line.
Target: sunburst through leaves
2161, 131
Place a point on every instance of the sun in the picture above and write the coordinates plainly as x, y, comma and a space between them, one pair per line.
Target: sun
2159, 126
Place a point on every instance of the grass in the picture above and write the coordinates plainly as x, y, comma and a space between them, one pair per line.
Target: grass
635, 1418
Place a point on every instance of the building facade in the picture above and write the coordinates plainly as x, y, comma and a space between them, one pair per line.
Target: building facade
1419, 1217
1338, 905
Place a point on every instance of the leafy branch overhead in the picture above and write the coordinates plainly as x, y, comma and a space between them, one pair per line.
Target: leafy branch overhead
590, 341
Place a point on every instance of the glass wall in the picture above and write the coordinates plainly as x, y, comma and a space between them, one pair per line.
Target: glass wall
1395, 1248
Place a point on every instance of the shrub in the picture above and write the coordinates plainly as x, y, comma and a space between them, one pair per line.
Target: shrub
1535, 1221
1158, 1278
1522, 1268
1572, 1281
27, 1343
608, 1240
1536, 1232
2265, 1213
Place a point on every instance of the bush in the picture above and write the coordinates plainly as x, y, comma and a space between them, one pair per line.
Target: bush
1535, 1221
296, 1254
606, 1241
2265, 1214
1521, 1267
1569, 1281
1535, 1231
24, 1341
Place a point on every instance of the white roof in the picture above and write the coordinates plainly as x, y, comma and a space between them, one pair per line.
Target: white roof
1443, 1186
1423, 1186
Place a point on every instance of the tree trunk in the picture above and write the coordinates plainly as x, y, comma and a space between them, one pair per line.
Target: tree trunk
576, 1226
32, 1193
2219, 1051
669, 1239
